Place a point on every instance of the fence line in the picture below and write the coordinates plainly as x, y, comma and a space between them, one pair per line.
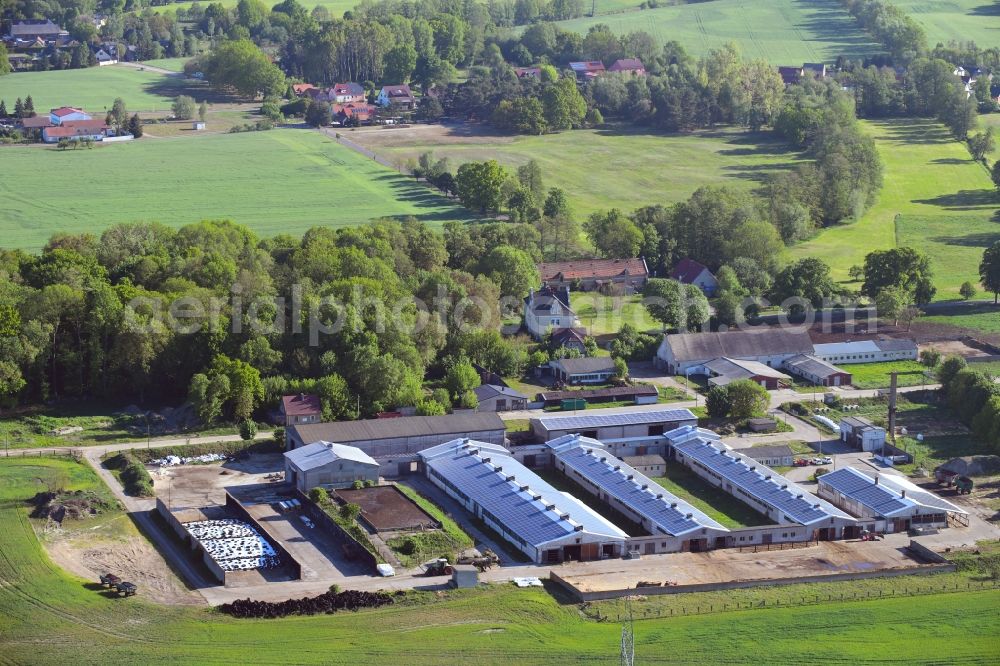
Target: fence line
44, 453
805, 600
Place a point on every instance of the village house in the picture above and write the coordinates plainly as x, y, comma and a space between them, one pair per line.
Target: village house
689, 271
631, 66
497, 398
352, 113
547, 309
587, 70
300, 408
78, 130
346, 93
592, 274
303, 89
570, 338
34, 30
398, 97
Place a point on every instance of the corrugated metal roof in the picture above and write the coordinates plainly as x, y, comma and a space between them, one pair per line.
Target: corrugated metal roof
645, 497
319, 454
587, 365
738, 344
581, 421
807, 363
344, 432
760, 482
524, 503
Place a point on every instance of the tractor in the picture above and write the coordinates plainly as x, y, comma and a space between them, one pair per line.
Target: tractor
439, 567
963, 485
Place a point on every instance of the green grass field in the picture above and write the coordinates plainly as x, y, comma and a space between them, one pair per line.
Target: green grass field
956, 20
282, 181
602, 169
876, 375
713, 502
50, 617
173, 64
783, 32
95, 89
928, 178
954, 244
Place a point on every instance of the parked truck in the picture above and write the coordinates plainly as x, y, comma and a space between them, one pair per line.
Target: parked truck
963, 485
945, 476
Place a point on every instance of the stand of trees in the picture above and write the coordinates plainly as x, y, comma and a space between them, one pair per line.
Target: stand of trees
974, 397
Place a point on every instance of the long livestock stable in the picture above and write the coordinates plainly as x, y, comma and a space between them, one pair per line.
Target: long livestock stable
541, 522
887, 503
677, 525
624, 433
798, 514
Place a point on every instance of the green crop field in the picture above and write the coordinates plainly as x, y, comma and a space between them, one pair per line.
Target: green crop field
95, 89
929, 178
956, 20
282, 181
954, 244
50, 617
783, 32
602, 169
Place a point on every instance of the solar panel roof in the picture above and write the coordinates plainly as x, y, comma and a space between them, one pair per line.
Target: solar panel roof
485, 477
647, 498
862, 488
582, 421
761, 482
917, 494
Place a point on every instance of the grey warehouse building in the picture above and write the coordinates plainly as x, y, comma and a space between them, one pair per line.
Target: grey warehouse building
396, 442
328, 465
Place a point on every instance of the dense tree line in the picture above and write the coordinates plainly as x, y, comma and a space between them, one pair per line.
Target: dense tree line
901, 35
126, 316
974, 397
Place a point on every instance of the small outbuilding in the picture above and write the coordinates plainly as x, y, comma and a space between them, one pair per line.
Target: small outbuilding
778, 455
328, 465
588, 370
862, 433
496, 398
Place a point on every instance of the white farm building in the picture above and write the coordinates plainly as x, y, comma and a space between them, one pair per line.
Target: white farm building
543, 523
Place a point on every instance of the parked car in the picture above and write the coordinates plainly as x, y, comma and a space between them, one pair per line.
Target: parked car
824, 460
802, 462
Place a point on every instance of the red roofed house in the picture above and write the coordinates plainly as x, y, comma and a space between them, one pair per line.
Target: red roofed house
346, 93
398, 97
76, 130
301, 89
36, 122
346, 113
631, 66
689, 271
587, 70
591, 274
301, 408
67, 114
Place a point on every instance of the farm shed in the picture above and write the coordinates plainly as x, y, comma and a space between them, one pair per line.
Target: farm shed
862, 433
587, 462
778, 455
892, 504
867, 351
543, 523
625, 433
762, 488
817, 371
683, 353
592, 370
651, 463
642, 394
329, 465
724, 371
395, 442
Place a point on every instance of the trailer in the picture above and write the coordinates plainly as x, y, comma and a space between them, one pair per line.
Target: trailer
945, 476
